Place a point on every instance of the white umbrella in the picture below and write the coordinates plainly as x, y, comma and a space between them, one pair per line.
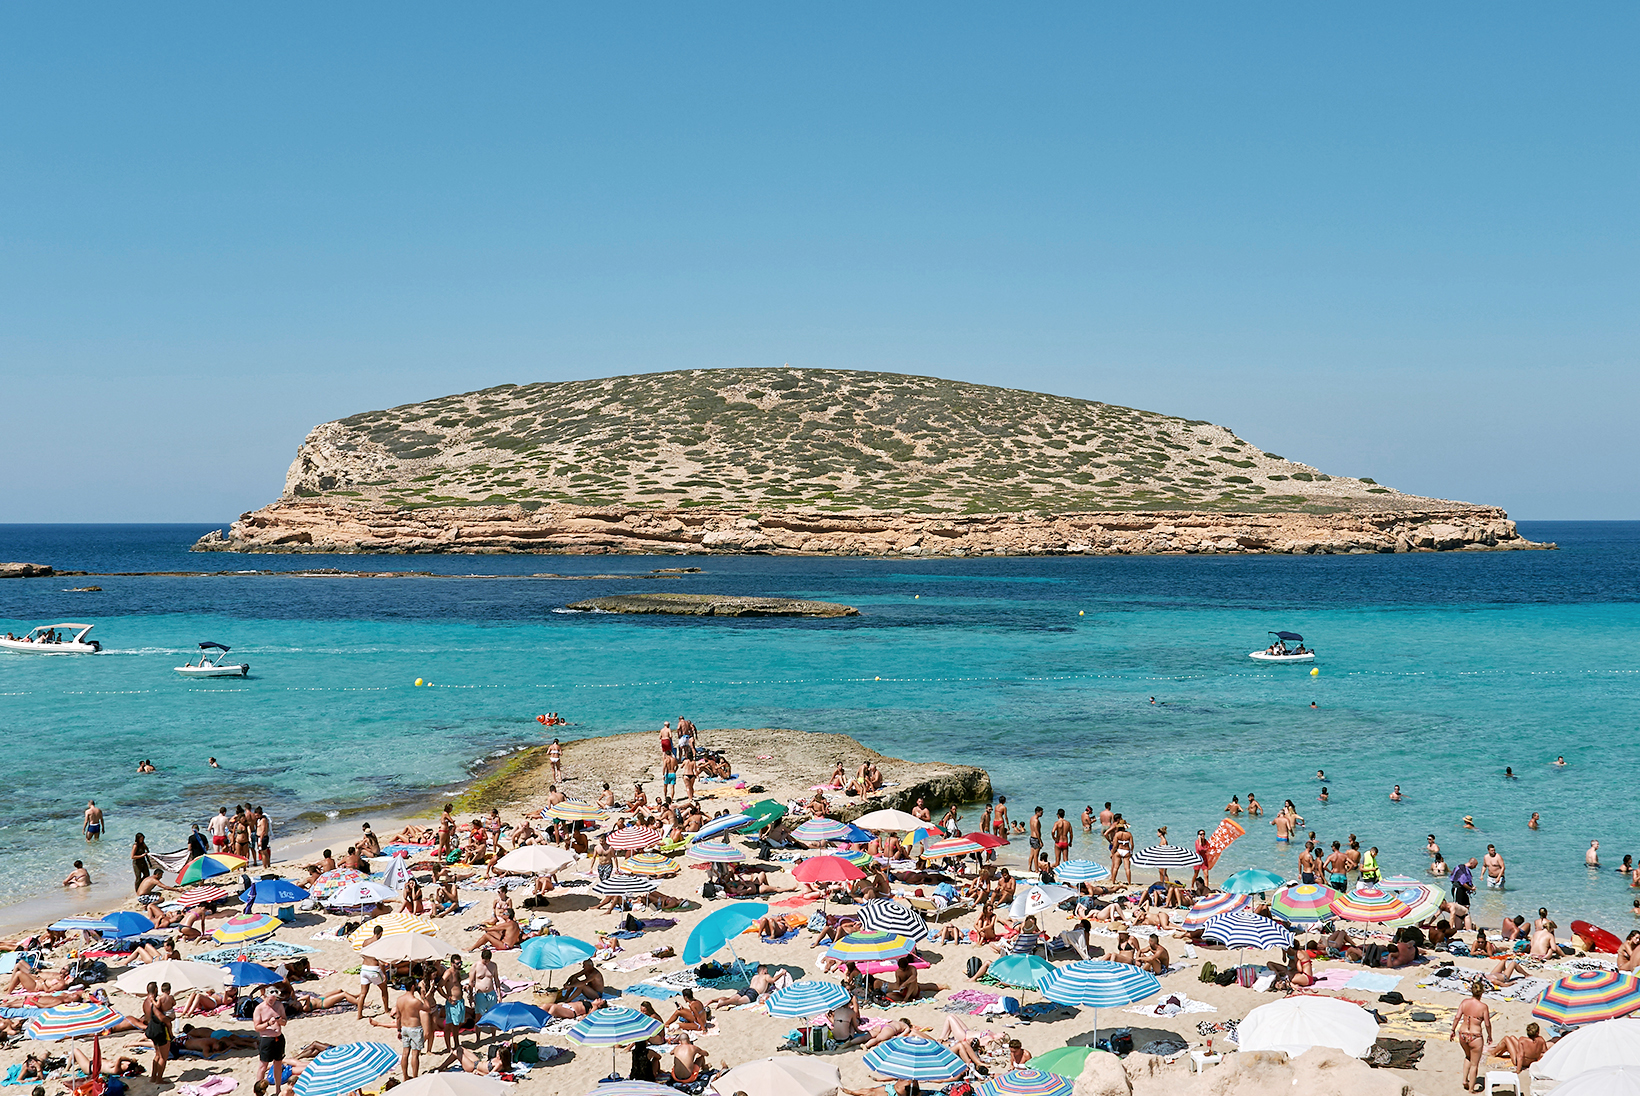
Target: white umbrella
1038, 897
181, 973
408, 947
1607, 1081
890, 820
397, 873
535, 860
1592, 1046
1296, 1024
786, 1075
453, 1084
361, 892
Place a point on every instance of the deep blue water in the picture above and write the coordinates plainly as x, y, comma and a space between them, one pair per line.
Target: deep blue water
1437, 671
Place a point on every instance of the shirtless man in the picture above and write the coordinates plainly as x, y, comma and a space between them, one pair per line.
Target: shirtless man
588, 983
1087, 818
1522, 1051
1493, 866
761, 986
1592, 856
92, 825
504, 935
669, 777
1253, 807
413, 1018
1283, 822
1338, 867
79, 877
1061, 839
1153, 957
1472, 1028
921, 811
1395, 795
1307, 863
1628, 952
688, 1062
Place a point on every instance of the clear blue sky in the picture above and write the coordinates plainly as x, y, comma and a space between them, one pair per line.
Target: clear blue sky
1396, 242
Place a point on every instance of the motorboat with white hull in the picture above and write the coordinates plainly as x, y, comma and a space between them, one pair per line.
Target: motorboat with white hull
1280, 652
212, 663
48, 639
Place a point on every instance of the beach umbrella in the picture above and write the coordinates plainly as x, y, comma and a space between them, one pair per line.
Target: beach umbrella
362, 892
633, 1088
84, 923
826, 869
897, 821
1295, 1024
914, 1058
858, 857
72, 1021
621, 884
125, 924
1204, 910
1081, 871
205, 867
334, 880
454, 1084
650, 863
823, 829
1067, 1062
346, 1068
1097, 984
633, 837
181, 973
783, 1075
273, 892
1038, 897
575, 810
613, 1027
396, 874
717, 852
922, 835
762, 813
1369, 904
989, 840
718, 929
408, 947
1244, 929
1589, 996
1027, 1081
515, 1016
891, 915
244, 927
1303, 902
203, 895
1421, 908
1253, 881
392, 924
1606, 1081
1020, 969
725, 824
866, 947
1593, 1046
554, 952
535, 860
951, 846
250, 974
1413, 893
1166, 856
807, 997
1396, 882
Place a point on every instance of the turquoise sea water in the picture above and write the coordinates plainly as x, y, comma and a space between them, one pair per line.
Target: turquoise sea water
1437, 671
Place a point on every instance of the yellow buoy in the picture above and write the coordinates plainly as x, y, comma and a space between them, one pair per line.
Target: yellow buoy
1080, 612
1316, 672
418, 681
879, 679
916, 597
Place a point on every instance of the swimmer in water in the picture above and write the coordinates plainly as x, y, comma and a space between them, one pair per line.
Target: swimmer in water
1323, 795
1508, 773
1320, 774
1395, 796
1313, 704
1533, 824
1153, 700
1561, 760
212, 763
1468, 821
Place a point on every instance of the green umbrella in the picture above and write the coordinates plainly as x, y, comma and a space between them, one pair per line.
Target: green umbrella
762, 813
1065, 1061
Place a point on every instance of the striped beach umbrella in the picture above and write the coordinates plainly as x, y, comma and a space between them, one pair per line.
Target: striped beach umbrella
717, 852
1027, 1081
205, 867
1369, 904
334, 880
1166, 856
574, 810
346, 1068
1081, 871
619, 883
392, 924
84, 923
951, 846
808, 997
203, 895
858, 857
725, 824
1204, 910
1396, 882
242, 928
1423, 902
824, 829
1304, 902
1245, 929
889, 915
72, 1021
1253, 881
866, 947
1097, 984
633, 837
914, 1058
613, 1027
1588, 996
650, 863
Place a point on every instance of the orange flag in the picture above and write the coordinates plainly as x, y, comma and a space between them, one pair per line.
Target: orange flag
1220, 840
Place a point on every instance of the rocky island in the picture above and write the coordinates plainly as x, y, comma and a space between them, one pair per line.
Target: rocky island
816, 461
713, 605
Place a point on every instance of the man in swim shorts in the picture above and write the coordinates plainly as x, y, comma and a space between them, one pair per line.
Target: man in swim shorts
761, 985
1338, 868
1061, 839
669, 776
414, 1018
93, 824
1493, 865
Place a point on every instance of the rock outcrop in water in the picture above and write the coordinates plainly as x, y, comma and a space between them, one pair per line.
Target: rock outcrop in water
713, 605
314, 526
25, 570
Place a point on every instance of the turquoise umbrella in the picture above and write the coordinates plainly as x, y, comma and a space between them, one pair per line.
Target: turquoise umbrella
719, 927
554, 953
1253, 881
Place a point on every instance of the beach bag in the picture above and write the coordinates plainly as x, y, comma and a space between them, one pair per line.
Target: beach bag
1393, 997
632, 924
1208, 972
814, 1039
1010, 1005
961, 1088
244, 1008
1246, 975
974, 963
1225, 978
708, 889
526, 1050
1373, 955
710, 969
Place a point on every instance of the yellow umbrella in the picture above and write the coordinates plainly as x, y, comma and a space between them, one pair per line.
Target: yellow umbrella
650, 863
392, 924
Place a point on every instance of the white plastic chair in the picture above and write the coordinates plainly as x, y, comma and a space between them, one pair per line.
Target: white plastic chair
1496, 1077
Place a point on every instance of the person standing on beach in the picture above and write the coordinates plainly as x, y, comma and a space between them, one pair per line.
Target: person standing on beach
666, 738
1467, 1026
555, 758
1036, 834
1121, 850
413, 1017
1061, 839
156, 1028
669, 777
484, 984
269, 1022
372, 974
218, 827
139, 860
92, 824
999, 821
264, 837
690, 769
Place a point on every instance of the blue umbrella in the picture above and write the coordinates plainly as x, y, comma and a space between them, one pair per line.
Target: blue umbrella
1243, 929
346, 1068
914, 1058
1098, 983
613, 1027
250, 974
86, 923
127, 924
1023, 970
274, 892
1254, 881
554, 952
722, 825
719, 927
1081, 871
515, 1016
808, 997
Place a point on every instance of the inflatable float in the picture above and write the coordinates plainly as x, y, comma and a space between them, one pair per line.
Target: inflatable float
1599, 939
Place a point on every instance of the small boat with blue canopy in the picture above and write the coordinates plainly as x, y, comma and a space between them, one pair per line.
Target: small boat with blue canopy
212, 663
1279, 651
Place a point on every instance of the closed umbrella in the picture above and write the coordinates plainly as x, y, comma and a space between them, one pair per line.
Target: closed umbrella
1605, 1081
1097, 984
808, 997
1303, 903
1589, 996
1253, 881
891, 915
1027, 1081
245, 927
273, 892
726, 824
346, 1068
364, 892
1295, 1024
783, 1075
613, 1027
1369, 905
867, 947
717, 852
651, 864
914, 1058
535, 860
621, 884
1081, 871
72, 1021
1593, 1046
397, 872
392, 924
183, 974
515, 1016
1204, 910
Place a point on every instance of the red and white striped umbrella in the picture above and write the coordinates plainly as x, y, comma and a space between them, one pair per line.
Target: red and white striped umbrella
634, 837
199, 896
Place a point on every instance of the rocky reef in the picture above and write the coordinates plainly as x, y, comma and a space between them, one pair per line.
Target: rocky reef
713, 605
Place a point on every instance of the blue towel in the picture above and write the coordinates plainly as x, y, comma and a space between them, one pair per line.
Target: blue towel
645, 990
13, 1075
1368, 982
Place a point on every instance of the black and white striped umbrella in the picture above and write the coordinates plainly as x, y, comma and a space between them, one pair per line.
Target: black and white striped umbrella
887, 915
623, 884
1166, 856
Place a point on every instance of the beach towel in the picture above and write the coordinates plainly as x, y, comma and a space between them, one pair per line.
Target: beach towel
648, 989
1333, 978
1368, 982
13, 1073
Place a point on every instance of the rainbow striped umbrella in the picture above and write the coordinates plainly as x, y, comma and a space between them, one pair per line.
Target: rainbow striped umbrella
1303, 902
1589, 996
72, 1021
914, 1058
650, 863
199, 896
204, 867
334, 880
1025, 1081
346, 1068
242, 928
1371, 905
634, 837
717, 852
1204, 909
1423, 902
866, 947
392, 924
951, 846
858, 857
1081, 871
574, 810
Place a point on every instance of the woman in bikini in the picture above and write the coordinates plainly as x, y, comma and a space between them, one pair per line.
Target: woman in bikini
1121, 853
1472, 1028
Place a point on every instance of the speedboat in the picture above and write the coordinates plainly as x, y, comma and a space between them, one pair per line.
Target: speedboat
48, 640
211, 665
1280, 652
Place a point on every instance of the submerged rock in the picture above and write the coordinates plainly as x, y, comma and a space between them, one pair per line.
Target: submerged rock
714, 605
